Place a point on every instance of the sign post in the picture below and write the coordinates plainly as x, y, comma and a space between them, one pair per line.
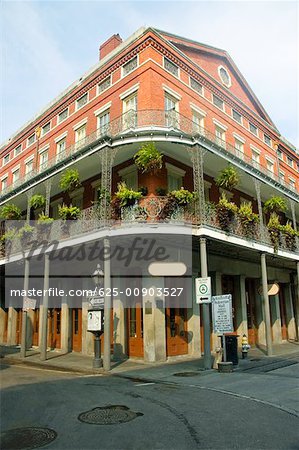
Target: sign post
222, 316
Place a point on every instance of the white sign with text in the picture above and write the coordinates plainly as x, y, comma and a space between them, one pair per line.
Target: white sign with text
222, 314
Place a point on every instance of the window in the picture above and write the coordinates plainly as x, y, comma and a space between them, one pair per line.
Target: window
43, 159
239, 145
289, 161
281, 175
175, 177
195, 85
31, 139
270, 165
130, 176
256, 158
220, 136
237, 116
82, 101
129, 66
6, 159
29, 167
103, 121
253, 128
105, 84
63, 115
171, 108
224, 75
292, 183
280, 154
16, 175
267, 140
4, 183
77, 197
198, 120
46, 128
60, 149
218, 102
298, 167
80, 133
171, 67
18, 150
129, 109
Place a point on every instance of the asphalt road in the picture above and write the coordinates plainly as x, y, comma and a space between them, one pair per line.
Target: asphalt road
172, 416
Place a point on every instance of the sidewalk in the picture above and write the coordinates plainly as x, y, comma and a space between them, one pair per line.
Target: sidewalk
78, 363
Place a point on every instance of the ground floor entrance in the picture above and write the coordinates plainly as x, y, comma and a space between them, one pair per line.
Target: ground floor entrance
176, 331
54, 328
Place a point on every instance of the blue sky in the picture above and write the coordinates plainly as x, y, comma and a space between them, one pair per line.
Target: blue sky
46, 45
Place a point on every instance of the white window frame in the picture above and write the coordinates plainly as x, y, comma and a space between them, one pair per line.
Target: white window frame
228, 85
257, 130
60, 121
201, 115
42, 132
176, 76
123, 75
43, 151
4, 179
175, 171
3, 160
13, 171
216, 106
270, 161
102, 81
33, 134
288, 161
18, 146
269, 145
78, 108
241, 122
292, 182
256, 151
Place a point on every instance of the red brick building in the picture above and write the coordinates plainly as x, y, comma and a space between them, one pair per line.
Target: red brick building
193, 103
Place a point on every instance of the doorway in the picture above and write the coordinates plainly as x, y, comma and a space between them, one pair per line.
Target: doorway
54, 326
176, 331
251, 311
77, 329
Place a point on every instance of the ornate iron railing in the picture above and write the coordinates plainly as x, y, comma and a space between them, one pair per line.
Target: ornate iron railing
142, 121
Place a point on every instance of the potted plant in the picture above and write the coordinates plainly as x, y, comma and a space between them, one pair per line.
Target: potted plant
143, 190
7, 239
127, 196
275, 205
248, 219
290, 236
37, 201
44, 223
68, 212
182, 196
228, 178
25, 233
226, 212
160, 191
10, 211
274, 229
148, 158
175, 201
69, 180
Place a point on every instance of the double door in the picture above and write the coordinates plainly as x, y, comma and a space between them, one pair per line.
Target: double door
176, 331
54, 327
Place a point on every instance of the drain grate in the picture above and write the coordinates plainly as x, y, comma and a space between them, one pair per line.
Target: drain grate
108, 415
26, 438
186, 374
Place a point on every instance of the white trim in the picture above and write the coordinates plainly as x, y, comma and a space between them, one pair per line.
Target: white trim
80, 124
129, 91
255, 149
168, 71
198, 110
171, 92
126, 170
76, 101
127, 62
4, 177
292, 180
229, 77
269, 159
176, 170
59, 138
102, 109
30, 158
239, 138
14, 151
220, 125
68, 113
102, 81
44, 149
14, 169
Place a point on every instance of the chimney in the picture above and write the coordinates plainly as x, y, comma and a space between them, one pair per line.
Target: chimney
111, 43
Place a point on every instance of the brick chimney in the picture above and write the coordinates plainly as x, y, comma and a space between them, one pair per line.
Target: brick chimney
109, 45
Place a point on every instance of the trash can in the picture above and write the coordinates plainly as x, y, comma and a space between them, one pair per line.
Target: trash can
231, 345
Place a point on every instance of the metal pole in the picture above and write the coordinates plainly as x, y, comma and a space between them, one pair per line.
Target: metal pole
266, 305
107, 305
24, 315
97, 362
44, 330
205, 307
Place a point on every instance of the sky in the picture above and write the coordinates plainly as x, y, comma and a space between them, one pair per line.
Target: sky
47, 45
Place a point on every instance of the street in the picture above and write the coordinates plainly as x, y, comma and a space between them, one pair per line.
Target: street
182, 413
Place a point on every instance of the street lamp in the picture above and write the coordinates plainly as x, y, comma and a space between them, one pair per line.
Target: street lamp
95, 317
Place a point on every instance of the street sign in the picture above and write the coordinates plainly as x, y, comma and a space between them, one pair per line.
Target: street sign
94, 320
203, 290
97, 302
222, 314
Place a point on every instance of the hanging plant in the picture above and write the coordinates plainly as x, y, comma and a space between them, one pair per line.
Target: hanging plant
10, 212
148, 158
290, 236
127, 196
274, 229
69, 180
228, 178
248, 219
44, 223
68, 212
226, 213
37, 201
275, 205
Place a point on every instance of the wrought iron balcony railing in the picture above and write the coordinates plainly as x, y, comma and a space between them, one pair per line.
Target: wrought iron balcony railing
133, 122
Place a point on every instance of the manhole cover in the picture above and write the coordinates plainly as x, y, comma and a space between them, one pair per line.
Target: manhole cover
109, 415
186, 374
26, 438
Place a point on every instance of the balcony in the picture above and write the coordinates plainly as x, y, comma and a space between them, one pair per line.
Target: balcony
148, 212
142, 122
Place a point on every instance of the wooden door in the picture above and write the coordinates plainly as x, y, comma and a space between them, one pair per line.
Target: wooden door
251, 314
135, 330
19, 325
54, 326
283, 316
77, 329
35, 327
176, 331
5, 326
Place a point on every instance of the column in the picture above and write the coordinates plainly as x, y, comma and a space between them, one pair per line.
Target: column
119, 324
44, 311
194, 344
257, 186
241, 307
205, 307
292, 204
66, 326
87, 336
107, 156
266, 305
154, 329
260, 314
196, 155
290, 315
276, 319
107, 305
24, 314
